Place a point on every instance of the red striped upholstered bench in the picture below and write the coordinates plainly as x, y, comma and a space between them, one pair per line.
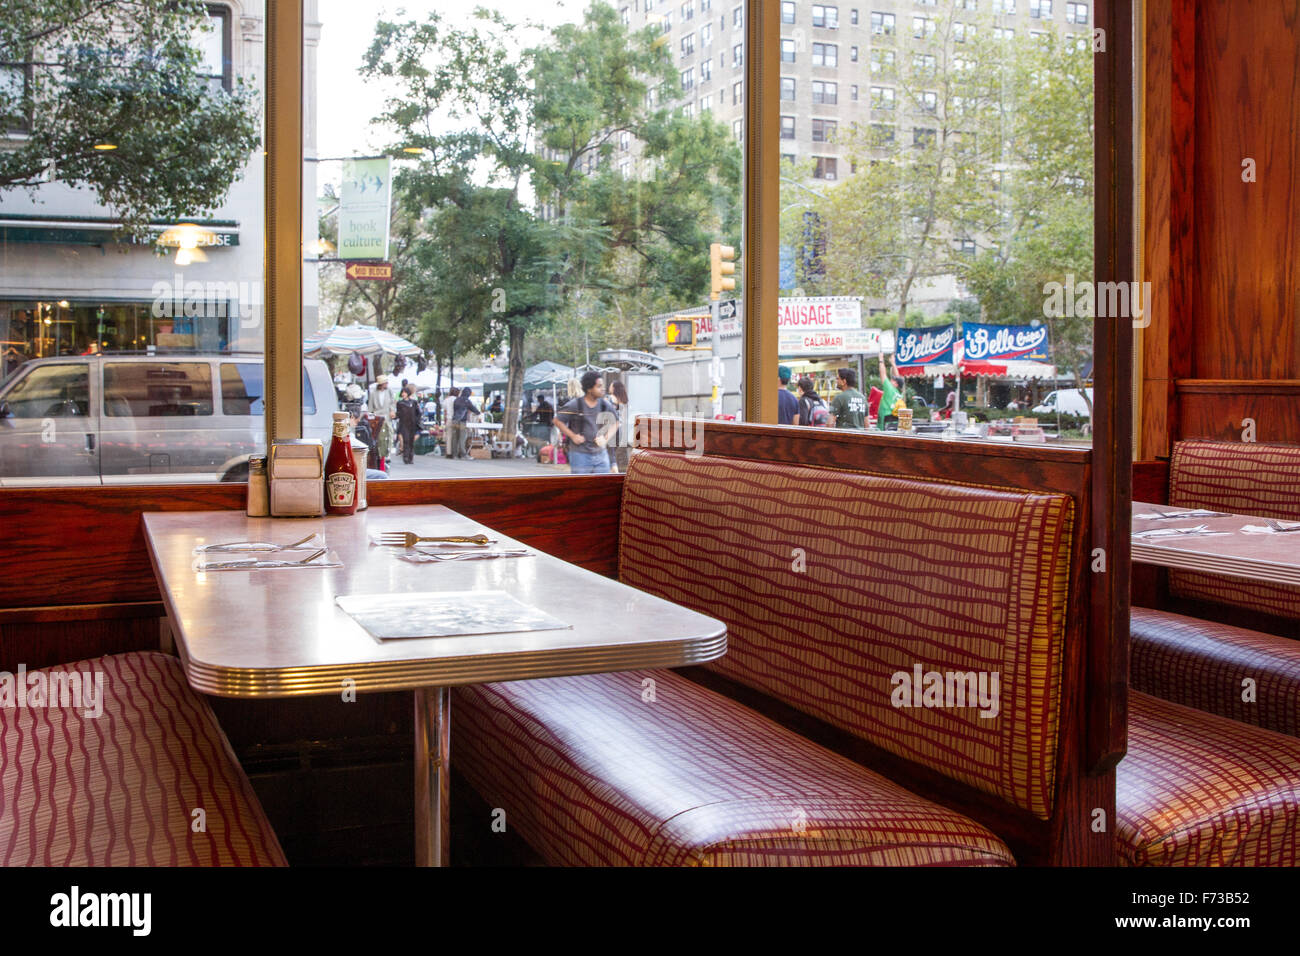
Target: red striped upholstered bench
1245, 478
125, 787
1196, 789
839, 590
1230, 671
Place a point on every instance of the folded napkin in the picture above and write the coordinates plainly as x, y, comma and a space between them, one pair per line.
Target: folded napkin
1198, 513
279, 560
1265, 529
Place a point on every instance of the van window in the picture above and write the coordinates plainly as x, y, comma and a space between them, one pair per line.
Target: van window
157, 389
241, 389
52, 391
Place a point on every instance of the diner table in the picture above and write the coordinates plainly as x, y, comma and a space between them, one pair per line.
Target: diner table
1227, 549
279, 633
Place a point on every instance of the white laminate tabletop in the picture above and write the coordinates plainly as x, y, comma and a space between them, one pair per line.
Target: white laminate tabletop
279, 633
1261, 557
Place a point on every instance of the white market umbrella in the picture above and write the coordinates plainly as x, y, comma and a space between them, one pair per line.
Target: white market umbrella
360, 339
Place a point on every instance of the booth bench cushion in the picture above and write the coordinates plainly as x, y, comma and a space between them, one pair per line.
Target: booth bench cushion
648, 768
1245, 478
1204, 664
121, 789
1196, 789
833, 583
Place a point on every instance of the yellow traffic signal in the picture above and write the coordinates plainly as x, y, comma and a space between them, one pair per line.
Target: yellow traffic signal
721, 267
681, 332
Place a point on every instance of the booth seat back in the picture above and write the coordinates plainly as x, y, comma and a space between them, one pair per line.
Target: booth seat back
1244, 478
840, 589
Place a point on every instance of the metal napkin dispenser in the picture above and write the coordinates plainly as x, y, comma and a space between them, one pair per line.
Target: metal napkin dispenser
296, 471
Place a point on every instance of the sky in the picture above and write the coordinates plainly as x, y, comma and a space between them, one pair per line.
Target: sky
346, 103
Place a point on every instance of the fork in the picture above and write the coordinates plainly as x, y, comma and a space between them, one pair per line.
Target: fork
408, 539
472, 555
257, 562
1165, 532
255, 545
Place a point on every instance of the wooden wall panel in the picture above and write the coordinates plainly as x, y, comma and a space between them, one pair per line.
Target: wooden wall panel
1228, 410
1245, 281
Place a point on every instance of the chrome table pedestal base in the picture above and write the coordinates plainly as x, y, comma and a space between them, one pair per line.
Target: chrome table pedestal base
432, 776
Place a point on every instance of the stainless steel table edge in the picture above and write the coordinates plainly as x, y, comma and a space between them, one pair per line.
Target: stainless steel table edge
258, 683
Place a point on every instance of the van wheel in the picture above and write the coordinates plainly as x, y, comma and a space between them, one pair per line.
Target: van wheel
238, 473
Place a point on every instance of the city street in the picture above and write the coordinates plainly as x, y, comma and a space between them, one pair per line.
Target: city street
436, 466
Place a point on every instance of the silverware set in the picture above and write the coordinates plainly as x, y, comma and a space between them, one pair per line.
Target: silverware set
262, 563
1167, 532
409, 539
238, 546
1280, 527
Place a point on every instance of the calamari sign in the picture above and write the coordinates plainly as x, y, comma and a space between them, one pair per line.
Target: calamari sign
1004, 343
917, 347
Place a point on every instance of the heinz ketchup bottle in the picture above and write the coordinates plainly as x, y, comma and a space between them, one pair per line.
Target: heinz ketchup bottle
340, 471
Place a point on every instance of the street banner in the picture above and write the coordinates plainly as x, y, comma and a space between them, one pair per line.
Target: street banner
819, 312
792, 342
1004, 343
920, 347
365, 208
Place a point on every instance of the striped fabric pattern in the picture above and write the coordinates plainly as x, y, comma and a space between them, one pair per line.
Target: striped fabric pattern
609, 770
832, 582
120, 789
1197, 789
1244, 478
1203, 664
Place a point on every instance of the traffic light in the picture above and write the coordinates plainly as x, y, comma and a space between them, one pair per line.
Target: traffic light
681, 333
722, 267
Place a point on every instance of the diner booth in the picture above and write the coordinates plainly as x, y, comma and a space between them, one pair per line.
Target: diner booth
763, 645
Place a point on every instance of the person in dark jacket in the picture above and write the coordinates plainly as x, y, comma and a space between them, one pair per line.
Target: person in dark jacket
787, 406
408, 423
461, 412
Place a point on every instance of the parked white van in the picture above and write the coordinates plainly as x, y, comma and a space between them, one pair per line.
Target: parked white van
139, 418
1067, 401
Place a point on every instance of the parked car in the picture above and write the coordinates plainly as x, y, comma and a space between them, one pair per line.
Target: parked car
139, 418
1066, 401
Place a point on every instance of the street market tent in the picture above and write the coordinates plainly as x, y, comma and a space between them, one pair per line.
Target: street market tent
1015, 368
360, 339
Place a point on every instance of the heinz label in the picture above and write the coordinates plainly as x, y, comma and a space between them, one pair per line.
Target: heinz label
341, 488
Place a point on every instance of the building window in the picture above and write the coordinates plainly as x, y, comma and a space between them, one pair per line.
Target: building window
924, 63
882, 61
625, 169
787, 88
787, 11
882, 97
882, 24
706, 36
706, 104
882, 134
853, 16
688, 110
15, 88
825, 54
1005, 6
923, 137
214, 46
922, 27
737, 93
706, 70
965, 247
738, 17
1076, 13
1003, 33
787, 51
853, 92
1040, 9
668, 23
966, 4
688, 79
625, 141
625, 16
959, 32
787, 127
688, 45
824, 168
688, 10
828, 17
853, 54
787, 158
738, 129
706, 5
823, 131
827, 93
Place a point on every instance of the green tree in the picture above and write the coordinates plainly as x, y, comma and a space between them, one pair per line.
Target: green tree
548, 118
87, 73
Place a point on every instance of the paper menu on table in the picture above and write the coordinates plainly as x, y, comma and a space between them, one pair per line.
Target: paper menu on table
444, 614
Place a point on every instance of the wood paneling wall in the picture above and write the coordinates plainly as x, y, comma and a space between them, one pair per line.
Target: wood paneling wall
1221, 357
